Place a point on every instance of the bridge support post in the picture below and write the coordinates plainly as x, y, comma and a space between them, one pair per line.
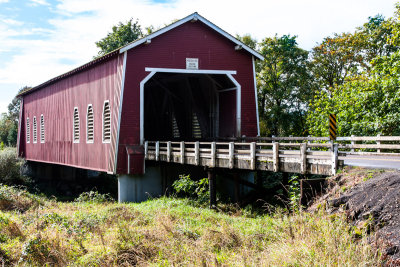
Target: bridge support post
138, 188
334, 158
212, 187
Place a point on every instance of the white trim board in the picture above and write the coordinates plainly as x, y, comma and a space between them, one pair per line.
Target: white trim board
142, 83
238, 105
256, 97
148, 69
121, 99
226, 72
193, 17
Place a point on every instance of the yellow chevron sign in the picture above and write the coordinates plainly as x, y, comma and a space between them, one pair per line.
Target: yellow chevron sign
332, 126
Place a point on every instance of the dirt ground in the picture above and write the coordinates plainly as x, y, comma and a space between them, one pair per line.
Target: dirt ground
371, 201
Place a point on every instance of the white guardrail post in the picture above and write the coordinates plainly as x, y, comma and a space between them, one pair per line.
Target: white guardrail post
182, 148
213, 154
275, 155
253, 155
303, 158
231, 155
157, 150
378, 142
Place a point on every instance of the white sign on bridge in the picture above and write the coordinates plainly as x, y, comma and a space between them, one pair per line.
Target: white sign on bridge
192, 63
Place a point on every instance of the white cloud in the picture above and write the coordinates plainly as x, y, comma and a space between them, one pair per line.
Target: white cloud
73, 36
39, 2
3, 1
12, 22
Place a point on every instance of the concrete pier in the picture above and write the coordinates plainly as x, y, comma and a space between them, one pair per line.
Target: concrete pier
138, 188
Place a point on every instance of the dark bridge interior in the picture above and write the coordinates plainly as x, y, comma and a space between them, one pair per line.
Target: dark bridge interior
189, 107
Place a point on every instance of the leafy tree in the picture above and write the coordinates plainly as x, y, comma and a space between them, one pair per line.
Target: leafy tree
284, 86
122, 34
367, 98
9, 121
248, 40
334, 59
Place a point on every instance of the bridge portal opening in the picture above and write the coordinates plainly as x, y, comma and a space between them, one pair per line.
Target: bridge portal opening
189, 107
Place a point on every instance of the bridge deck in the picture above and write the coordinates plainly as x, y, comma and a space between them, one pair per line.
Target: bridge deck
305, 158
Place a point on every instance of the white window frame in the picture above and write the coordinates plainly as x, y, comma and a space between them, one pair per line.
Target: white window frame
28, 131
87, 124
73, 126
34, 130
44, 130
104, 106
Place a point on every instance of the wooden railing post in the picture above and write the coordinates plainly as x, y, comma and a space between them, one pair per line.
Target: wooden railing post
212, 188
197, 153
309, 142
378, 142
352, 143
213, 154
253, 155
334, 158
157, 150
182, 152
275, 154
231, 155
169, 151
146, 150
303, 158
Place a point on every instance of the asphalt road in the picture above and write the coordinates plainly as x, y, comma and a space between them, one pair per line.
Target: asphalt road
385, 162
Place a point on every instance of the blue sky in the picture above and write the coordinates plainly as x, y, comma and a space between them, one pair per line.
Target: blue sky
40, 39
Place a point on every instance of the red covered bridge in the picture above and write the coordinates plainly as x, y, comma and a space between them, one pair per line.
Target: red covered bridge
189, 81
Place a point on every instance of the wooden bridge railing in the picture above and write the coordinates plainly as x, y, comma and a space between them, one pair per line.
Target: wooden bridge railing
306, 158
369, 145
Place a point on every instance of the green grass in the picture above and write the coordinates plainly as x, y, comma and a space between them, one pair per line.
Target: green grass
170, 232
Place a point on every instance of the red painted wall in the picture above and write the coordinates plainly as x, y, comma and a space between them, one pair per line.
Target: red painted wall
170, 50
57, 101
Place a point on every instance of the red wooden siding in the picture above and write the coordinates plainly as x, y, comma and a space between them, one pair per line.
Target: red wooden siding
57, 101
170, 50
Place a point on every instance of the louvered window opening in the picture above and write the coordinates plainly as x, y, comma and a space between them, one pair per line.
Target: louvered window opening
175, 129
34, 130
28, 131
90, 125
196, 131
76, 125
42, 129
106, 122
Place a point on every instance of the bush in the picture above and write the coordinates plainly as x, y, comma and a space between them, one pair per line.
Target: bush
10, 166
94, 197
193, 189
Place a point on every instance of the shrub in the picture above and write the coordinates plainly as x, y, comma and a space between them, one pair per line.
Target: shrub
94, 197
10, 166
193, 189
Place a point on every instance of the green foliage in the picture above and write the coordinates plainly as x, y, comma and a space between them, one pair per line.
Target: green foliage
294, 192
284, 86
10, 166
9, 122
363, 90
122, 34
94, 197
197, 190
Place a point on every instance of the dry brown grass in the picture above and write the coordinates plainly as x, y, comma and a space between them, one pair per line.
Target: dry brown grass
171, 232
